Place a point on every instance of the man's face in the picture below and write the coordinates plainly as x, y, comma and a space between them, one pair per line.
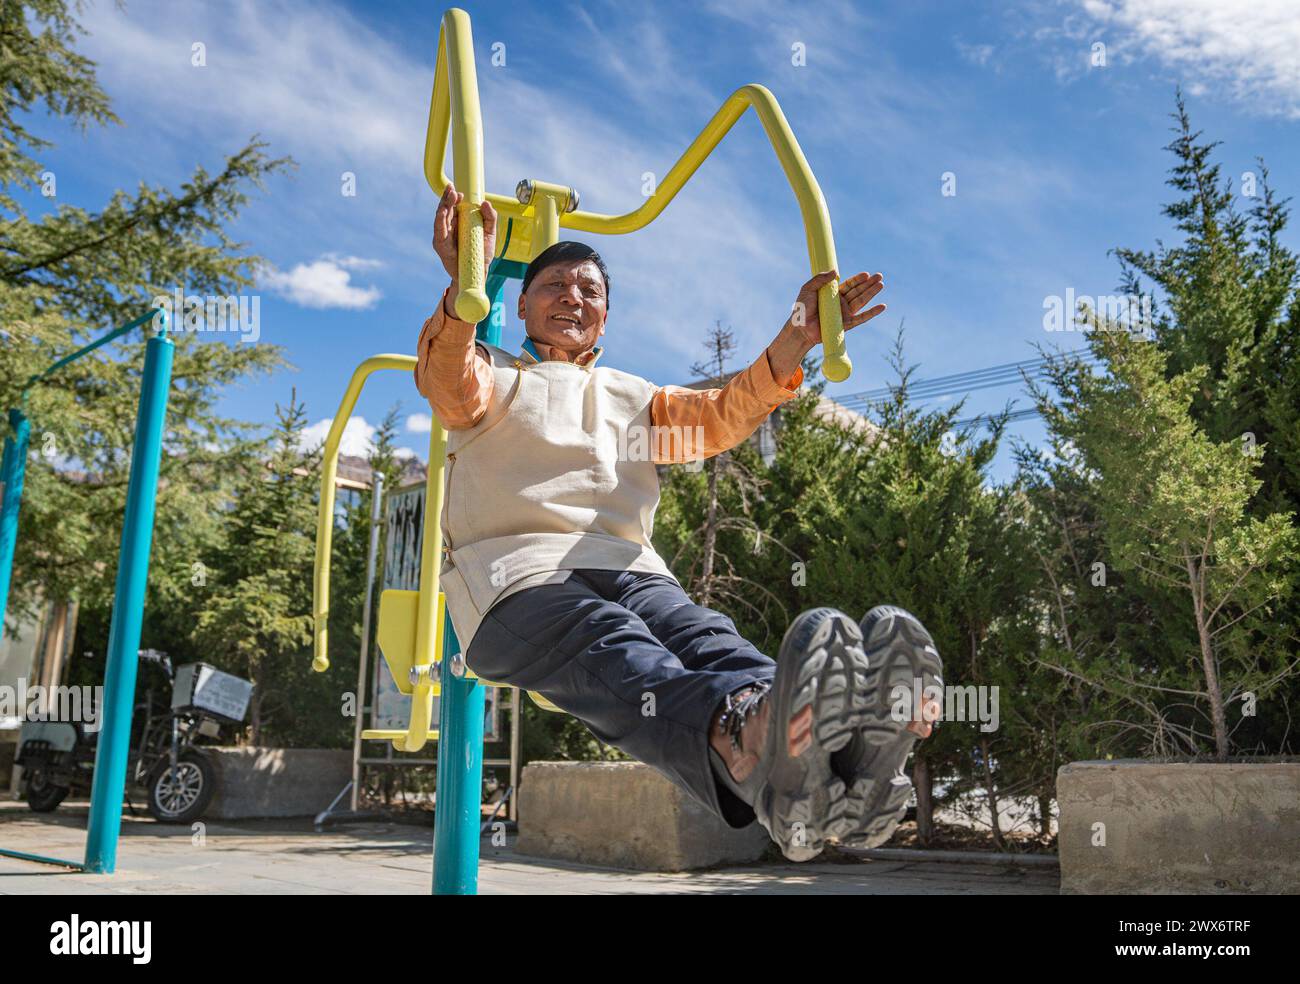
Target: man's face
565, 306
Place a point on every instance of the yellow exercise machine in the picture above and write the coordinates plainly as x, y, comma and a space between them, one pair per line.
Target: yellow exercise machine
414, 632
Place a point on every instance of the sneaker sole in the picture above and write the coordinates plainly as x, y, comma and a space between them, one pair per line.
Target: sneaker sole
899, 651
815, 712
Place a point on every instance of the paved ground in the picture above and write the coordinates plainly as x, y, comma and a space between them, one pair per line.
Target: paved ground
288, 857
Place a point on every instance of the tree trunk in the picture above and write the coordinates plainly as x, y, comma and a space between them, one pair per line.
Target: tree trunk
991, 790
1217, 714
255, 703
1045, 817
710, 533
255, 718
922, 782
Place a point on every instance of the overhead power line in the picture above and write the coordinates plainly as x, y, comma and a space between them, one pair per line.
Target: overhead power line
960, 383
984, 419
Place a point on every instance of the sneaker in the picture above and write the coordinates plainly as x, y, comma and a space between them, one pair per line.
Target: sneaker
872, 764
809, 713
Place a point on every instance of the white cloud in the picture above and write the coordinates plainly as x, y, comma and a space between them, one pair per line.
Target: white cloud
312, 79
976, 54
646, 63
325, 283
1248, 46
773, 26
419, 423
310, 72
358, 438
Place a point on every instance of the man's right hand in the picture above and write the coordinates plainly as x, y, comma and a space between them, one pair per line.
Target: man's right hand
446, 242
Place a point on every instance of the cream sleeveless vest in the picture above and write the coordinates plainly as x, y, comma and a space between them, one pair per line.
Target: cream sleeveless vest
541, 484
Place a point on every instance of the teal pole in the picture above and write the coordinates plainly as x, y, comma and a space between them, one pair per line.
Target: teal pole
113, 752
13, 469
103, 340
458, 814
41, 859
14, 466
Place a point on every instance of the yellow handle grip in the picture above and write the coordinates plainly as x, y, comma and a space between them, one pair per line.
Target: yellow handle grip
471, 303
835, 360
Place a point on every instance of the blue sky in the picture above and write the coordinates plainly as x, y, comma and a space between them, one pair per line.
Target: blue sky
1056, 161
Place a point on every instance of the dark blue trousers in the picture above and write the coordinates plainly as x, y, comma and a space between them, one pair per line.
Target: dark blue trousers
635, 660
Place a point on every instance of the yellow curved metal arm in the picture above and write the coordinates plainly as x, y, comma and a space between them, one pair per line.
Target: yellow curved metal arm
424, 655
456, 108
325, 508
817, 224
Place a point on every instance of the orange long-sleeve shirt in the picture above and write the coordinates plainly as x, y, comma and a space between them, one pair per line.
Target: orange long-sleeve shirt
457, 381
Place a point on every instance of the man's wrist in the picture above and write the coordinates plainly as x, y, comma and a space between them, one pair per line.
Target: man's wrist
786, 353
793, 343
449, 302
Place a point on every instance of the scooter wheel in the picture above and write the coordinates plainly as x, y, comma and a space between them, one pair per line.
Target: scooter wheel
43, 796
181, 795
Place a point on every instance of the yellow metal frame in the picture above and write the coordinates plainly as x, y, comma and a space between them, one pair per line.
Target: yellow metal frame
410, 629
418, 658
535, 224
411, 622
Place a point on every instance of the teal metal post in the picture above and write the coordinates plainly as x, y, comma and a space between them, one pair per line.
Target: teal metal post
458, 814
14, 466
12, 471
113, 752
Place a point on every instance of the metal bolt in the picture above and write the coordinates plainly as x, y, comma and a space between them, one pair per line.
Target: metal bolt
572, 206
524, 191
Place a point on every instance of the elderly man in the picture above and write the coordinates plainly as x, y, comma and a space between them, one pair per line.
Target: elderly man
553, 585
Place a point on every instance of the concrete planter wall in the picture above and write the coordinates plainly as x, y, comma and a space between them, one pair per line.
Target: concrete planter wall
625, 815
1136, 827
276, 782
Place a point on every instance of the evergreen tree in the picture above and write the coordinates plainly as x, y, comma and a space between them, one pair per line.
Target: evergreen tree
918, 524
68, 274
1164, 509
256, 618
1230, 303
1173, 506
900, 512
